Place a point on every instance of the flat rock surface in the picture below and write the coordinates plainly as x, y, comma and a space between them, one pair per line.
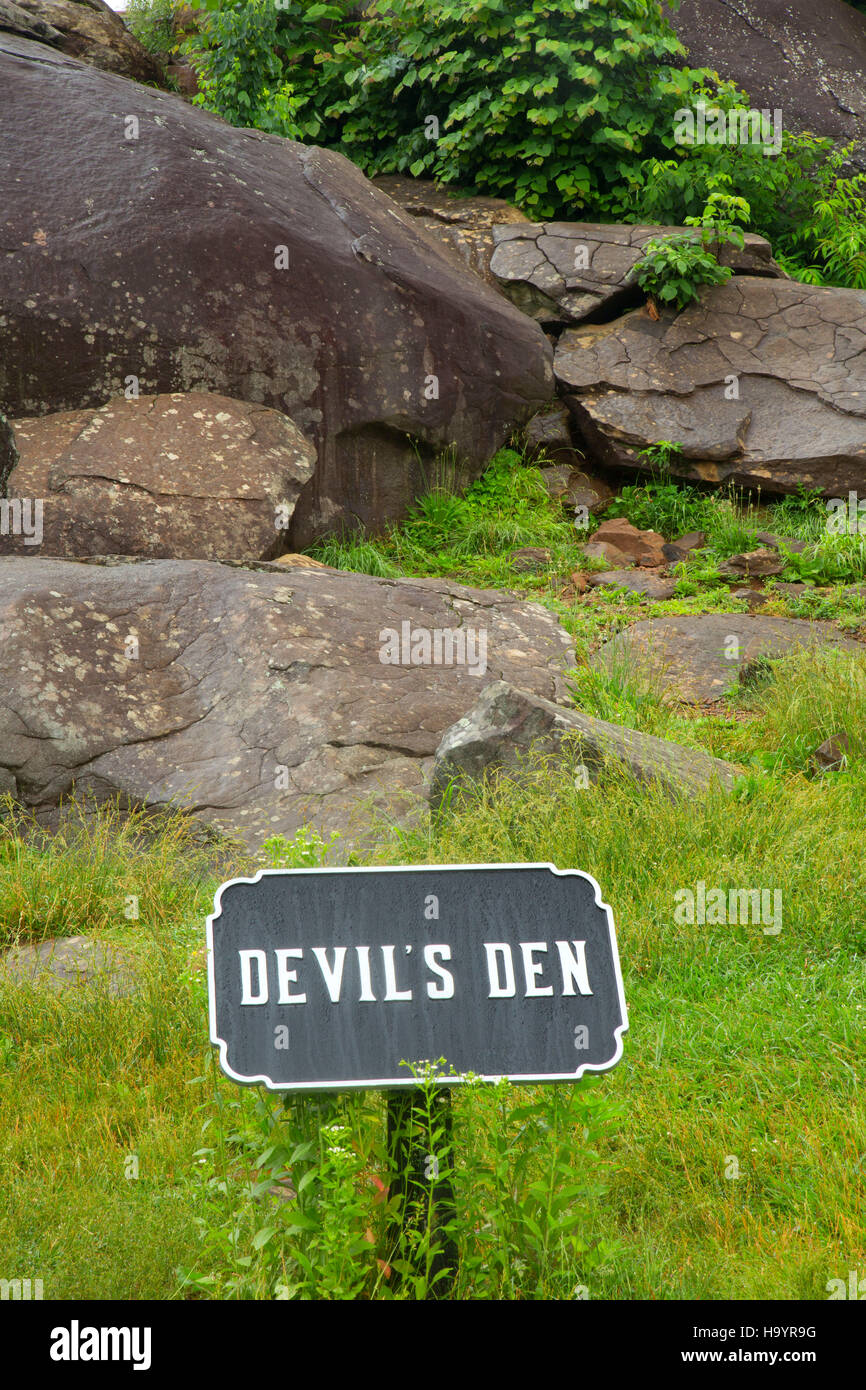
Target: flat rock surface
763, 382
257, 697
563, 272
461, 226
201, 257
699, 659
72, 961
195, 476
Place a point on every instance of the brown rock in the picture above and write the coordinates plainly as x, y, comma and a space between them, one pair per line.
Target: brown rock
585, 490
85, 29
832, 754
645, 548
237, 262
293, 561
605, 550
192, 476
698, 659
752, 564
530, 559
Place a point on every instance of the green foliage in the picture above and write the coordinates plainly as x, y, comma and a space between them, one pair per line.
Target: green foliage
467, 535
306, 849
241, 72
674, 268
151, 23
833, 233
548, 105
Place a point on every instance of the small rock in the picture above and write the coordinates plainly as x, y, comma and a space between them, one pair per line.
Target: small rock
293, 561
677, 550
583, 490
791, 590
775, 542
530, 559
752, 564
603, 550
832, 754
578, 579
643, 547
752, 597
556, 480
636, 581
65, 962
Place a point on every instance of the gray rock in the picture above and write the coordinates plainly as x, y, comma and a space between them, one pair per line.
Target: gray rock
798, 353
752, 597
635, 581
257, 697
193, 476
564, 272
698, 659
752, 564
202, 257
69, 962
508, 724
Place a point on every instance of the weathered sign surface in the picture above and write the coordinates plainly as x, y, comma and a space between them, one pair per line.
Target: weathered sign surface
341, 978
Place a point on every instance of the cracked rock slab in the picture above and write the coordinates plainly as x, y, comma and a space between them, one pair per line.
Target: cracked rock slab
193, 476
565, 272
202, 257
763, 382
259, 698
507, 725
698, 660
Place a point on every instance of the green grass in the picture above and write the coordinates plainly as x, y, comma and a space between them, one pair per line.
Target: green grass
742, 1046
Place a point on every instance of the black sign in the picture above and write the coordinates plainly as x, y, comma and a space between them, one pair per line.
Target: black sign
331, 978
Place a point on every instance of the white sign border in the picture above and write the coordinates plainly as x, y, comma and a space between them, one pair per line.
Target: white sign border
392, 1083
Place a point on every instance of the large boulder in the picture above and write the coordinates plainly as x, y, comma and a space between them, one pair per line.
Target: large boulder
145, 238
699, 659
567, 272
85, 29
804, 58
507, 726
191, 476
763, 382
261, 698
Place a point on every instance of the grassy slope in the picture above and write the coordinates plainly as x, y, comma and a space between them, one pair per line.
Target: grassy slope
742, 1045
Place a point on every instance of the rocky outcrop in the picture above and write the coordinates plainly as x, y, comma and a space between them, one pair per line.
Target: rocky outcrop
805, 58
85, 29
508, 725
145, 238
192, 476
464, 227
261, 698
699, 659
568, 272
763, 382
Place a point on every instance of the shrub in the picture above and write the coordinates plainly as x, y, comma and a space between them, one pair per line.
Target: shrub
551, 106
151, 23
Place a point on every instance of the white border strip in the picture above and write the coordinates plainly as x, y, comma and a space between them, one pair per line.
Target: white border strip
389, 1083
